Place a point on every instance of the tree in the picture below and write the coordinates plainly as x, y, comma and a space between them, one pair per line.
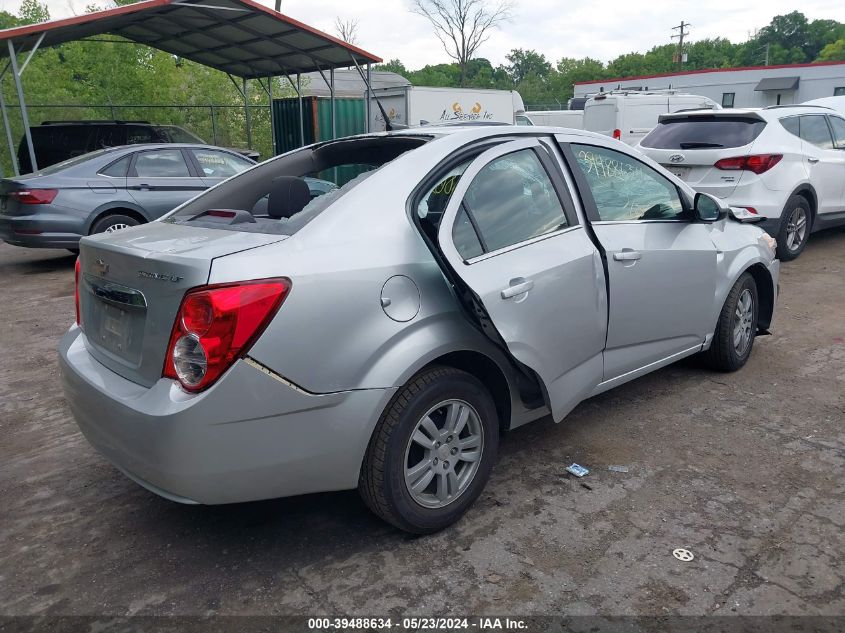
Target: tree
523, 63
347, 30
833, 52
462, 26
392, 66
32, 11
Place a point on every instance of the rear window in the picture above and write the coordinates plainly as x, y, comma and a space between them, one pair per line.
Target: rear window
703, 133
600, 116
253, 202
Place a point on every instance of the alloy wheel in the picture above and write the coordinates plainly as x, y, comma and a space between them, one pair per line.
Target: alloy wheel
117, 227
743, 322
443, 454
796, 229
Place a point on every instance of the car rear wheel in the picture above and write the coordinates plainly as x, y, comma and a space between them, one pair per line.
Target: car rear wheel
112, 223
796, 223
737, 327
432, 451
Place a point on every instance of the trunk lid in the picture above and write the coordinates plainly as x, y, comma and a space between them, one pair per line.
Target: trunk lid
132, 282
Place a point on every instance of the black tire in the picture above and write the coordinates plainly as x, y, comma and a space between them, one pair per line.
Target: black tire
108, 222
795, 205
382, 480
723, 354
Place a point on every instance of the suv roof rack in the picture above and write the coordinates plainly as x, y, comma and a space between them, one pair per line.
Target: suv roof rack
93, 122
797, 105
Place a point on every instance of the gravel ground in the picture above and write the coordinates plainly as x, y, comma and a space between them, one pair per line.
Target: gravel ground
745, 470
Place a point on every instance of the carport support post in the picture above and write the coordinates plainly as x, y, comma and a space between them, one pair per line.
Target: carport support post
24, 116
272, 117
11, 141
369, 96
331, 98
247, 115
301, 115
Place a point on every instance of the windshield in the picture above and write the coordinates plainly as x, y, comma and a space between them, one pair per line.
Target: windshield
282, 195
173, 134
704, 133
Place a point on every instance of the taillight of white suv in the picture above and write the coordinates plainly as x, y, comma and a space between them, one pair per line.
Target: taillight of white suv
758, 163
218, 324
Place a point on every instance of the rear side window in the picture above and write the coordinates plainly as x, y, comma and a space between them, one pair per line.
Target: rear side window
791, 125
814, 130
703, 132
512, 200
165, 163
118, 168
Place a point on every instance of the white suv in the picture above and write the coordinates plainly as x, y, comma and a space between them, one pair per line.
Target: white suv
784, 163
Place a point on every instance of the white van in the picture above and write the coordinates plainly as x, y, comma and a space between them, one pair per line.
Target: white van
573, 119
630, 116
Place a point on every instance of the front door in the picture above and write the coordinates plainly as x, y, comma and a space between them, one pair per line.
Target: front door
661, 265
510, 233
159, 180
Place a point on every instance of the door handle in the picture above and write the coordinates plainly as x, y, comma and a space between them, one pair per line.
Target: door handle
518, 286
813, 160
627, 256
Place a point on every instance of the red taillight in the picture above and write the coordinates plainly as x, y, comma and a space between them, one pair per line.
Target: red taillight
34, 196
216, 325
76, 291
751, 210
757, 163
617, 134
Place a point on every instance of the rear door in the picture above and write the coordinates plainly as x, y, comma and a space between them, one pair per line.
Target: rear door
661, 265
510, 233
825, 164
161, 179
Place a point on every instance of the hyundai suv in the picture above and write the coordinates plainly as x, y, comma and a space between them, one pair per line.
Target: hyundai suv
784, 163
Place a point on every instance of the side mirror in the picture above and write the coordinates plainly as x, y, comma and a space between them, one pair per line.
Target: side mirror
709, 208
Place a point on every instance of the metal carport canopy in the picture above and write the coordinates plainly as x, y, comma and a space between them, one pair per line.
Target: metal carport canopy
238, 37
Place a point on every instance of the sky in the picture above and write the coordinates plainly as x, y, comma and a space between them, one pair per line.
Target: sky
602, 29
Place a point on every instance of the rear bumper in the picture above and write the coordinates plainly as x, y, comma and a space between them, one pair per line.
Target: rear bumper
251, 436
41, 230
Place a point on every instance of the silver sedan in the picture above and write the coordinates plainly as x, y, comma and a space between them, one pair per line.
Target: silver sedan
461, 281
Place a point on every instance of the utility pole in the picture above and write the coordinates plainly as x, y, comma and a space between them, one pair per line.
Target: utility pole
278, 6
681, 34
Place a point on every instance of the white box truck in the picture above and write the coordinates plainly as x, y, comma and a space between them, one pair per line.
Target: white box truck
411, 106
630, 116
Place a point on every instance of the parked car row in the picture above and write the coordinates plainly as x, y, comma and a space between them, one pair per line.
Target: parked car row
260, 342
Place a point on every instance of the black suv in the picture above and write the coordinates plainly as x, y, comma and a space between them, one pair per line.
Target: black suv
55, 141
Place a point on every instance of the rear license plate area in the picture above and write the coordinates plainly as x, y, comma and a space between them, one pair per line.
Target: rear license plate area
680, 172
114, 328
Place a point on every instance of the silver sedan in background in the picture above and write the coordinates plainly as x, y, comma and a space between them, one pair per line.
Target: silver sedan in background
461, 281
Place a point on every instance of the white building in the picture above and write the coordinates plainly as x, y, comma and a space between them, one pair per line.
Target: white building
755, 86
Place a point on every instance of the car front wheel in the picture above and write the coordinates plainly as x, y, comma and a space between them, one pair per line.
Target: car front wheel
737, 327
432, 451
